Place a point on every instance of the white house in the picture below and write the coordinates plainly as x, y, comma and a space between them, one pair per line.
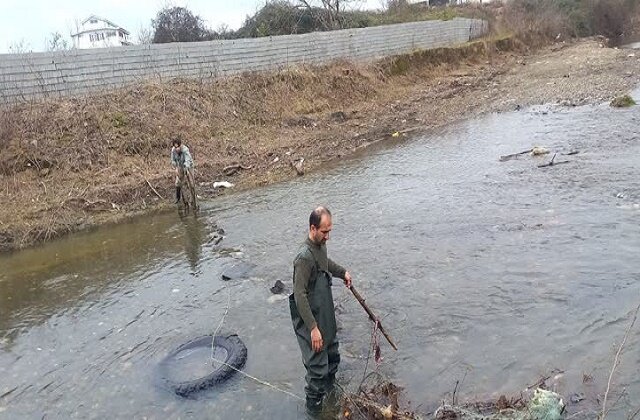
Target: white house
96, 32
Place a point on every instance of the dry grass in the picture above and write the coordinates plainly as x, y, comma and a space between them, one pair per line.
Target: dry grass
538, 22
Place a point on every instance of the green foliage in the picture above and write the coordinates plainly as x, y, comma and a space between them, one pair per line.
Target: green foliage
624, 101
56, 42
400, 65
178, 24
118, 119
279, 18
282, 17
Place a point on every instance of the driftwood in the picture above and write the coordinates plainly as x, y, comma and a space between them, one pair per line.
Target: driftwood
616, 362
232, 169
514, 155
153, 189
553, 163
373, 317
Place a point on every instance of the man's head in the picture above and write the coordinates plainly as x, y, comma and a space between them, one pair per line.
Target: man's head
176, 143
320, 225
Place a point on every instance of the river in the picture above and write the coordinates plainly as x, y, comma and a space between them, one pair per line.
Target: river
486, 272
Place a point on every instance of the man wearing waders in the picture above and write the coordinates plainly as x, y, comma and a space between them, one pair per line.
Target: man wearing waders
312, 310
183, 162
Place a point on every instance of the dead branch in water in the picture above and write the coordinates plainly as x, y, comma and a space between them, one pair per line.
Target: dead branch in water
553, 163
373, 317
379, 402
514, 155
635, 413
616, 361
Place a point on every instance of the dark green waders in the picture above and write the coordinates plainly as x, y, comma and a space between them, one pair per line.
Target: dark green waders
322, 366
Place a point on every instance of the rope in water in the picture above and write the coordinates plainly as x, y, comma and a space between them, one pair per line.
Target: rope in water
374, 342
260, 381
226, 311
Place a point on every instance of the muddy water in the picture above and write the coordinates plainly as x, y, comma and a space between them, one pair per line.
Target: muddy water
491, 273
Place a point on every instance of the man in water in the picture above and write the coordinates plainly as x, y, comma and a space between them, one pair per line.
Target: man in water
182, 161
312, 310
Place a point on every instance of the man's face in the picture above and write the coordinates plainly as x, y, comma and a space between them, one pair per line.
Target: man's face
177, 148
321, 233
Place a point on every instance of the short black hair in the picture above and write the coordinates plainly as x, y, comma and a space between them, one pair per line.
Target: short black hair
316, 216
176, 140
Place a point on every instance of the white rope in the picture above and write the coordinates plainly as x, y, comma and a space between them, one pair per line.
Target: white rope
226, 311
260, 381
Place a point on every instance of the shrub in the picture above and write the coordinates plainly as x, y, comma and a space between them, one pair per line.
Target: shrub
623, 102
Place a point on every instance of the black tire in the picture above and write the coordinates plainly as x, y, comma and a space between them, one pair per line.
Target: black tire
236, 357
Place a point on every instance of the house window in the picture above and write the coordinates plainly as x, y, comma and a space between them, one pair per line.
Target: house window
93, 21
96, 37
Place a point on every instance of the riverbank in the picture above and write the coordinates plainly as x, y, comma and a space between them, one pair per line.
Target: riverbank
75, 163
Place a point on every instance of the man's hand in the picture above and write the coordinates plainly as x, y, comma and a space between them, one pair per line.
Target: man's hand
347, 279
316, 340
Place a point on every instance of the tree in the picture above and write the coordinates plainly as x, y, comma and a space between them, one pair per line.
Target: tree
19, 47
332, 18
56, 42
279, 17
145, 35
178, 24
395, 5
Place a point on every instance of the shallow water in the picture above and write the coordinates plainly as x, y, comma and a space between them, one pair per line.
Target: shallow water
485, 272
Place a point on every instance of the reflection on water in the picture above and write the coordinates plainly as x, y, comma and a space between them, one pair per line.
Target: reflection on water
495, 272
194, 237
44, 281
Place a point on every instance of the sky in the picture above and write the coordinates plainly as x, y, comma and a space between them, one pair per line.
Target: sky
28, 23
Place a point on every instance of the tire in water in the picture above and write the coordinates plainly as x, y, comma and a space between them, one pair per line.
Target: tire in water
236, 357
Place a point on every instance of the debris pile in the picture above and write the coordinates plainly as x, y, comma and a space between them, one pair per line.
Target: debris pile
543, 405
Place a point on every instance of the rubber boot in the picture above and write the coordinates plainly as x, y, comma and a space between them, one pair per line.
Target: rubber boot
314, 407
332, 400
331, 383
178, 195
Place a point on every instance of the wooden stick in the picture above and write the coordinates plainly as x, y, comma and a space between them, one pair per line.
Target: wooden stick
373, 317
232, 169
616, 361
153, 189
552, 163
514, 155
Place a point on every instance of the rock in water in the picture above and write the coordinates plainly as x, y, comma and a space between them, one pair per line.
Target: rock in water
237, 270
539, 150
277, 288
299, 167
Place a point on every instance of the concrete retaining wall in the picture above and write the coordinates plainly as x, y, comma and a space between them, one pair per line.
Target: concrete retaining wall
38, 75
